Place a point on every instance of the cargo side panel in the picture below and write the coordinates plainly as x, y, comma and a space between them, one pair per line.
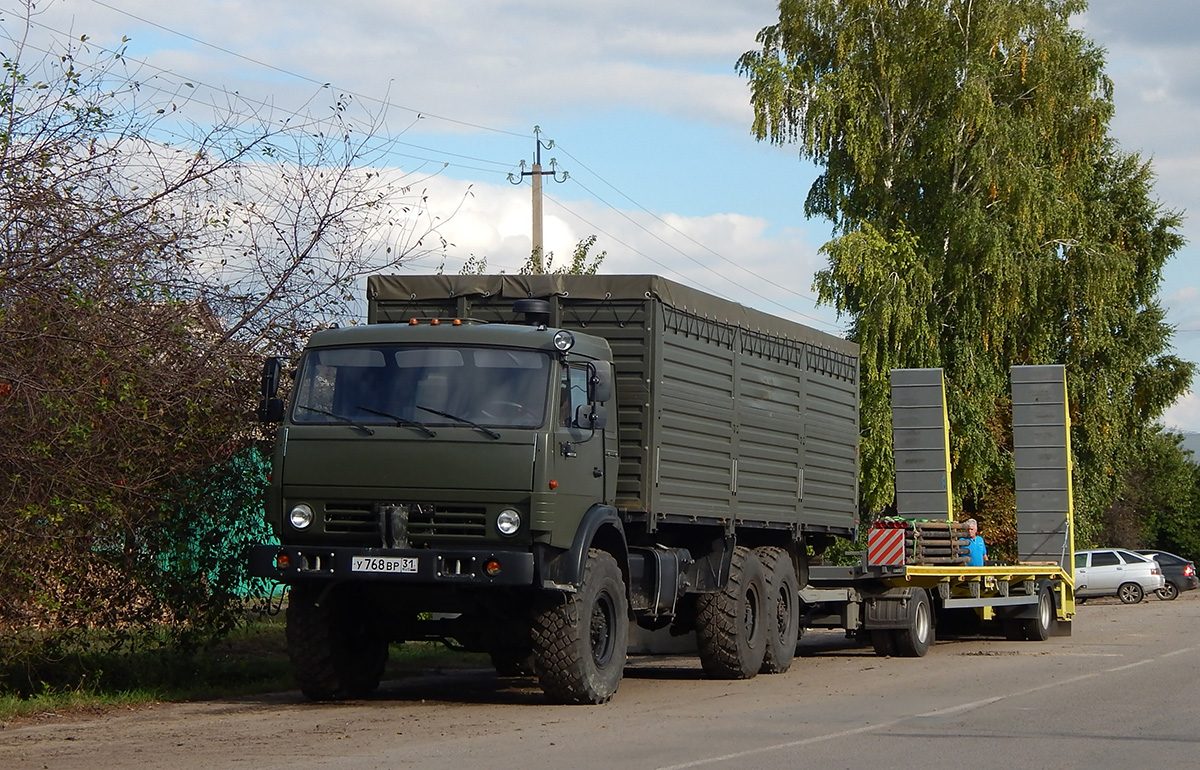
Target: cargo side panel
770, 418
830, 491
692, 400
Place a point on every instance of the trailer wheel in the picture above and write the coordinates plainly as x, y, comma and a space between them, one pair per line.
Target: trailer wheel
731, 623
1038, 629
580, 639
1130, 593
782, 617
914, 641
335, 654
884, 642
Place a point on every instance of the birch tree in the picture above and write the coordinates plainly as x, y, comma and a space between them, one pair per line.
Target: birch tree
983, 217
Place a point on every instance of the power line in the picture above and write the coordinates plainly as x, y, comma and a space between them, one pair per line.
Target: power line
387, 151
693, 259
723, 258
144, 86
291, 73
670, 269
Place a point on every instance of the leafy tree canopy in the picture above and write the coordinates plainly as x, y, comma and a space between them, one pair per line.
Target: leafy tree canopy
983, 218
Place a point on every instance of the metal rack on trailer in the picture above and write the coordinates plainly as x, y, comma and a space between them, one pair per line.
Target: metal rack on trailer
913, 578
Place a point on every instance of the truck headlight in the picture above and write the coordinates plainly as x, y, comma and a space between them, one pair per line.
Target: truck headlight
564, 340
508, 522
301, 516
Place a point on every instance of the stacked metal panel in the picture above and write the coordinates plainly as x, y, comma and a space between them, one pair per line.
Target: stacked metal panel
1042, 461
921, 437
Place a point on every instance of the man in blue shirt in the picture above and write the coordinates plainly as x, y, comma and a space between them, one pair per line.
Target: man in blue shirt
976, 550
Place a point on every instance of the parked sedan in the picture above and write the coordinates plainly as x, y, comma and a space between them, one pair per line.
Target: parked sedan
1116, 572
1180, 573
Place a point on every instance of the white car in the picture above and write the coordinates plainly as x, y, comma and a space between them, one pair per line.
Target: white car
1116, 572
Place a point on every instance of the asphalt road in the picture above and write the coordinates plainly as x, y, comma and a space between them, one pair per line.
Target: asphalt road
1119, 694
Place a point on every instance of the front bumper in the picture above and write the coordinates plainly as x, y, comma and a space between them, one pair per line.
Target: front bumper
433, 566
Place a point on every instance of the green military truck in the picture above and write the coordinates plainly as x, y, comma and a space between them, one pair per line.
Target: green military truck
522, 465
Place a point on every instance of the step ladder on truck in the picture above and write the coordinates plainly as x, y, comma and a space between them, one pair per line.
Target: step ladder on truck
913, 581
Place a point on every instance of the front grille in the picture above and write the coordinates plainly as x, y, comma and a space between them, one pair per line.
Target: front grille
426, 522
351, 519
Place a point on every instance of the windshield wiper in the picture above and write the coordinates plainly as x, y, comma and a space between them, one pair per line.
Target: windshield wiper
400, 420
340, 417
463, 420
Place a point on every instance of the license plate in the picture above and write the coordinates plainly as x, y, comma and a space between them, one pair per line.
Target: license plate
400, 564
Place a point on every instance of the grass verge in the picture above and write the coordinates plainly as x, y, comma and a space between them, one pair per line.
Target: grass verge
251, 660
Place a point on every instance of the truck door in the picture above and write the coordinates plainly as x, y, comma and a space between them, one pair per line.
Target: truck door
578, 464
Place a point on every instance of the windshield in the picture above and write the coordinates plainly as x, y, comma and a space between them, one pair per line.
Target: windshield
398, 384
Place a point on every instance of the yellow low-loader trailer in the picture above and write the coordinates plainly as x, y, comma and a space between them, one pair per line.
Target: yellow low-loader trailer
913, 581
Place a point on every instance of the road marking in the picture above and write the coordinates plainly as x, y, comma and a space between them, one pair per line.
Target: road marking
939, 712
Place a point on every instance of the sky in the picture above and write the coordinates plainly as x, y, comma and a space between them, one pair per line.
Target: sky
648, 118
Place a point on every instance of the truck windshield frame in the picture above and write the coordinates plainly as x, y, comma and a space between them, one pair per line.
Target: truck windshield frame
435, 385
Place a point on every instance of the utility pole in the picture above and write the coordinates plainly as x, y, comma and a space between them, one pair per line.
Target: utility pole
536, 173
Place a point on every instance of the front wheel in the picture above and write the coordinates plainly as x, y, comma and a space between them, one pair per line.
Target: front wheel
1130, 593
580, 639
334, 651
512, 664
1168, 592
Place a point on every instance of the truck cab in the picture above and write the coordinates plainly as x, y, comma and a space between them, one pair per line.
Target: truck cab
461, 437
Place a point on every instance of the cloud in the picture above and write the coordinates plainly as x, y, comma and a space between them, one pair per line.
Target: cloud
1184, 414
734, 255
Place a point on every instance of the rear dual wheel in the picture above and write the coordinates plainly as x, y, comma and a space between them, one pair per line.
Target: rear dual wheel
782, 609
731, 624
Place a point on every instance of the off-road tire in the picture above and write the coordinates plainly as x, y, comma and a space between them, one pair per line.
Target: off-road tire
782, 617
509, 663
335, 654
731, 624
914, 641
580, 639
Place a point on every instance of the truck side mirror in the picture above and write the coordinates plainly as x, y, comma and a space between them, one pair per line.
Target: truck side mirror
270, 406
271, 375
591, 417
270, 410
600, 381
